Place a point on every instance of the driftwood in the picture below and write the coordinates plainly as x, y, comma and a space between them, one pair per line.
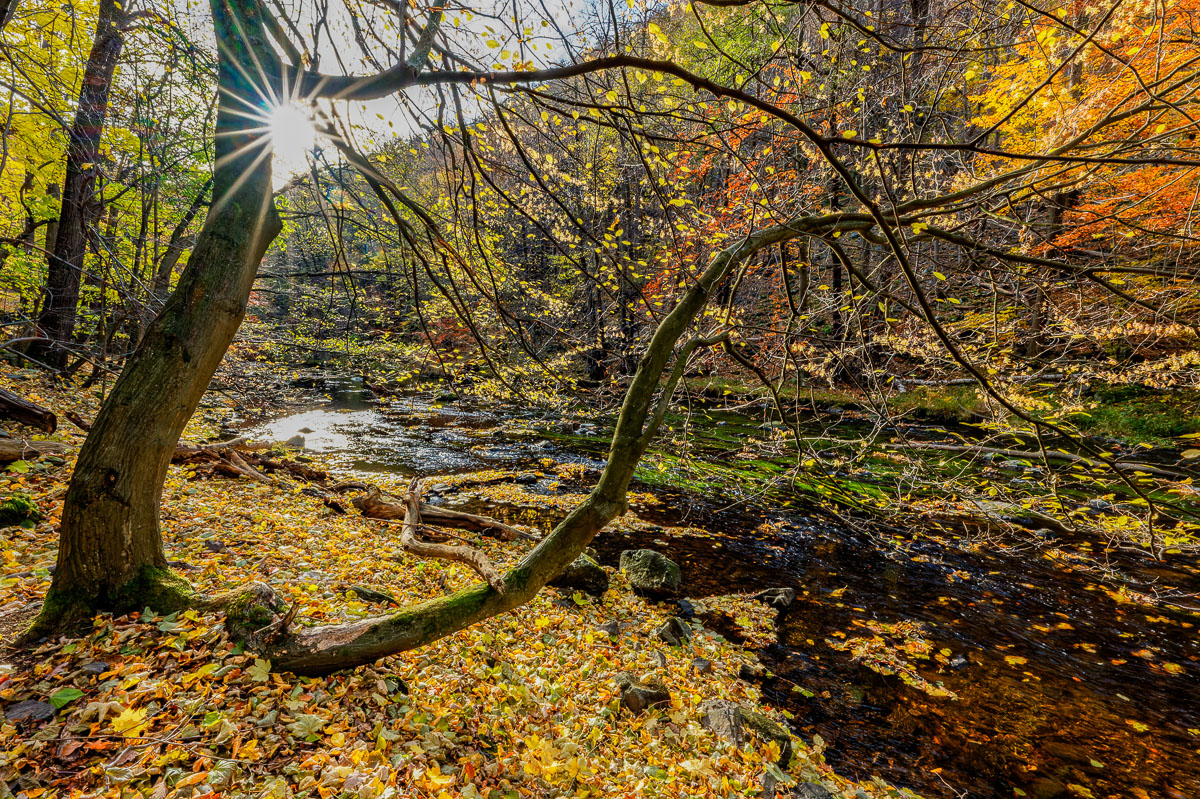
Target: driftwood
22, 410
374, 506
461, 554
20, 449
240, 458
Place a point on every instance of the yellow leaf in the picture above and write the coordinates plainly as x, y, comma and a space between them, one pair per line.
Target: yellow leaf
130, 722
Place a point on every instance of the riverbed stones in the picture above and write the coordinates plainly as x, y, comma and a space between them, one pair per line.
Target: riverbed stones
640, 695
778, 598
295, 442
525, 479
584, 574
650, 573
674, 631
702, 666
734, 723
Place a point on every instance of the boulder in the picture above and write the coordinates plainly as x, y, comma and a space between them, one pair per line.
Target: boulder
584, 574
639, 695
778, 598
674, 631
731, 722
650, 573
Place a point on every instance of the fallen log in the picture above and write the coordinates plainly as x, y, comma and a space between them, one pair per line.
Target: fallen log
20, 449
22, 410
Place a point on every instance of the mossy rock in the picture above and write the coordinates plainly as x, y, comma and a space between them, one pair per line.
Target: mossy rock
650, 573
19, 508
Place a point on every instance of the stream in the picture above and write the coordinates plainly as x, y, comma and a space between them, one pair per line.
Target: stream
1021, 674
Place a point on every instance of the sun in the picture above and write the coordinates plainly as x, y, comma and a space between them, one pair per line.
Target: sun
293, 137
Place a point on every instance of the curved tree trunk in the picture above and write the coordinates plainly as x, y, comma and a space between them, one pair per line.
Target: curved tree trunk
80, 208
321, 650
110, 551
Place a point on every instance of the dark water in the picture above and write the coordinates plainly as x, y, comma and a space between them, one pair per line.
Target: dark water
1059, 686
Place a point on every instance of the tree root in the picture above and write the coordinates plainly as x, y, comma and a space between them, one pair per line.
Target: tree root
253, 613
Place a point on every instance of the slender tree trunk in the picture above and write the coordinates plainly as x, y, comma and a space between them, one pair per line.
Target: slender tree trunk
176, 246
110, 549
79, 206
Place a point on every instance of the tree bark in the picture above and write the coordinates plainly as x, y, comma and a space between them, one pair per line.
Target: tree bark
80, 210
110, 550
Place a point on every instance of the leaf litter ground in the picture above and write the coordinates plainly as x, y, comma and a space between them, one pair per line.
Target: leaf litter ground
523, 705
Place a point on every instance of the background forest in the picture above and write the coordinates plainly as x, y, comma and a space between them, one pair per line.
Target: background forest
924, 272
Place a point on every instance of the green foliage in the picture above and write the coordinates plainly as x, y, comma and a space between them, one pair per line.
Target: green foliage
1142, 415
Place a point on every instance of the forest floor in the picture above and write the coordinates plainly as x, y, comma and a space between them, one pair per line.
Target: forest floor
526, 704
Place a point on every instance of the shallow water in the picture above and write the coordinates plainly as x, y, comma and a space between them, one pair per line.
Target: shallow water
1061, 689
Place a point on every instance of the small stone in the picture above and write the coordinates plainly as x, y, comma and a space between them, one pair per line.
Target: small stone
584, 574
674, 631
368, 594
1012, 466
811, 790
295, 442
650, 573
702, 666
30, 710
525, 478
610, 628
778, 598
751, 672
659, 659
639, 695
97, 667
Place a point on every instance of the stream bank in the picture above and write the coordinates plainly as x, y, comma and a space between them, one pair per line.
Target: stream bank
986, 667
